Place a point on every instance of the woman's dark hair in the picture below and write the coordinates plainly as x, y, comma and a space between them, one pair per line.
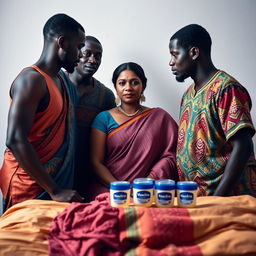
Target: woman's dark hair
136, 68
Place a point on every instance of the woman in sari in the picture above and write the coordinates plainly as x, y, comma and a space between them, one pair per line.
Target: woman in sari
131, 141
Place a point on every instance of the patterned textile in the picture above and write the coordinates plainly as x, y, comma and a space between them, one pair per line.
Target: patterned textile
52, 136
144, 145
208, 119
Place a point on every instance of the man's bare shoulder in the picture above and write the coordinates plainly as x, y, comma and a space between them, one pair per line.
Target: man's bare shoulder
29, 80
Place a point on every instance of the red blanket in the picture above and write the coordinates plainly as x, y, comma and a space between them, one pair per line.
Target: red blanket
98, 229
86, 229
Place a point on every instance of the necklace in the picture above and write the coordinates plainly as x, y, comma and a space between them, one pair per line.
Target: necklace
127, 114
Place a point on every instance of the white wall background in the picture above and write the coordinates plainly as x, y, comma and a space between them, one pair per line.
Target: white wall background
134, 30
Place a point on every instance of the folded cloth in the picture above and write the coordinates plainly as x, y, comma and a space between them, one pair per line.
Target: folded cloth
86, 229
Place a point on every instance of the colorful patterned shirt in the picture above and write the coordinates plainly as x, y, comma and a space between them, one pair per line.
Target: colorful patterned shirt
208, 119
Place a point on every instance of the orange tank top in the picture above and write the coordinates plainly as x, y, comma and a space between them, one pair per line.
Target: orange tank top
46, 119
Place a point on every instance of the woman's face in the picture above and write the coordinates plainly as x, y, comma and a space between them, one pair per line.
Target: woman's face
129, 87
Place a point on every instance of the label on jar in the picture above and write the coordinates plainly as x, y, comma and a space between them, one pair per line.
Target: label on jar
164, 198
186, 198
143, 197
120, 198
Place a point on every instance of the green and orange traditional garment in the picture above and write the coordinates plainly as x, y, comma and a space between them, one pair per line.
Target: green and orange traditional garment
52, 136
208, 119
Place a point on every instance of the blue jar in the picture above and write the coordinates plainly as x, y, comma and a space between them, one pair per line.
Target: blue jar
186, 193
120, 193
164, 193
143, 189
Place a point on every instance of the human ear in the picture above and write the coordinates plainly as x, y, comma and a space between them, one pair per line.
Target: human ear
61, 42
194, 53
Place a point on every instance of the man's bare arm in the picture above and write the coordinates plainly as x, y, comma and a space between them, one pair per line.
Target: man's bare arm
28, 90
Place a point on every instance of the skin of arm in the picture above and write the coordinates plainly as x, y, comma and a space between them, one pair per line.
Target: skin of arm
27, 91
242, 149
98, 146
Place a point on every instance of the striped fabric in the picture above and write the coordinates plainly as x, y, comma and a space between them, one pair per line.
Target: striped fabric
216, 226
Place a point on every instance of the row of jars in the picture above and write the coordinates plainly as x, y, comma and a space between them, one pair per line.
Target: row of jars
146, 191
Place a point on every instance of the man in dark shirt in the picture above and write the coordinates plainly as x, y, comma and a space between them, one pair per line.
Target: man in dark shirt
94, 97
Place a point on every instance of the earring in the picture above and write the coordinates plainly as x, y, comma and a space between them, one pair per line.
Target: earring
142, 98
118, 100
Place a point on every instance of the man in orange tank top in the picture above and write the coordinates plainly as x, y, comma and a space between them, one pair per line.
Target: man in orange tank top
38, 161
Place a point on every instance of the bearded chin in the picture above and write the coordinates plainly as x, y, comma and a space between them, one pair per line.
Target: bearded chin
180, 79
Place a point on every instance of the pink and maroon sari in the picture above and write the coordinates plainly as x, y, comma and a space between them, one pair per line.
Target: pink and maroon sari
144, 145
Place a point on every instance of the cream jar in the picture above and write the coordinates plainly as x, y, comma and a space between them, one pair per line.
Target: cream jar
143, 191
164, 193
186, 193
120, 193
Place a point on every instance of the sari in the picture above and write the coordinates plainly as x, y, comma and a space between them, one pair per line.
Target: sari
144, 145
53, 138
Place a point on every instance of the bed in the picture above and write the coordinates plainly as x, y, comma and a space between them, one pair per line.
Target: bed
216, 226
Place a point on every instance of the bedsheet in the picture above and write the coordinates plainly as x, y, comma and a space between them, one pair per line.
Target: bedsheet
217, 226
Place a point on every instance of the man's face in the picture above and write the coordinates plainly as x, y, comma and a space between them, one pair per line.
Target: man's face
180, 62
71, 53
91, 59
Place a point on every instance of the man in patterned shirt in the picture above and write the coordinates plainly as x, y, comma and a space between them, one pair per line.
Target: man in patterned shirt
94, 97
215, 147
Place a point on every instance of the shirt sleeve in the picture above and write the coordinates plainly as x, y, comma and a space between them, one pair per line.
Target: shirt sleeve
101, 122
234, 107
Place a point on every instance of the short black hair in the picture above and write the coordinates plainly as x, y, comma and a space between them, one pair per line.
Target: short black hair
61, 23
193, 35
92, 38
136, 68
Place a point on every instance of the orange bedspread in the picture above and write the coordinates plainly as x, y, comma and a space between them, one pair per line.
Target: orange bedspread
220, 226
